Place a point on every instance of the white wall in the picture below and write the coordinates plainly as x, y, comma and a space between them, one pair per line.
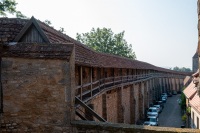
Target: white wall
194, 120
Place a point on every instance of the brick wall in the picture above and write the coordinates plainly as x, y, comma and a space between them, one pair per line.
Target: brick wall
34, 94
112, 105
136, 92
126, 104
97, 104
100, 127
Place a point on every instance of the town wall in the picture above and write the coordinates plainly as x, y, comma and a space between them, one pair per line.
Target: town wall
34, 96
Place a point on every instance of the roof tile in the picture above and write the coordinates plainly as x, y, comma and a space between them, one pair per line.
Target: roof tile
83, 54
195, 102
190, 90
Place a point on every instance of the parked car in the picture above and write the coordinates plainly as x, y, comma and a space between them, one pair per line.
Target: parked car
164, 94
169, 94
151, 121
152, 111
158, 107
160, 103
147, 123
164, 99
179, 92
174, 92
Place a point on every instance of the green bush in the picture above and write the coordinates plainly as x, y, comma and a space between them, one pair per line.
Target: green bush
188, 110
184, 117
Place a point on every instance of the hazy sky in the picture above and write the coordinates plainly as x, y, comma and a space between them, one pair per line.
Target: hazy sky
162, 32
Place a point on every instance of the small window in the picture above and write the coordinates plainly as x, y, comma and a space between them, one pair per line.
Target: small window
197, 122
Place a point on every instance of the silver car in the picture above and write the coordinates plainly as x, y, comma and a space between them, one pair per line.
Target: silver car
151, 121
158, 107
152, 111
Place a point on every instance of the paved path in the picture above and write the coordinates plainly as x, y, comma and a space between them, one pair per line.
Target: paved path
171, 114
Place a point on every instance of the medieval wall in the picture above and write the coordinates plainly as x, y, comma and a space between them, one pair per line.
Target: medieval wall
97, 104
112, 105
136, 96
126, 104
33, 94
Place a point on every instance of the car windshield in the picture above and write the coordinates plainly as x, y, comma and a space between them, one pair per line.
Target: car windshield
152, 110
158, 106
152, 119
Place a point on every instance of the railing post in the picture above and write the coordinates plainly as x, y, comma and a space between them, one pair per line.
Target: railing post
91, 73
81, 83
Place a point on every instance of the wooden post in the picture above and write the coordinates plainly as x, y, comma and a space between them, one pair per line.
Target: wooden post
104, 106
91, 73
113, 74
81, 83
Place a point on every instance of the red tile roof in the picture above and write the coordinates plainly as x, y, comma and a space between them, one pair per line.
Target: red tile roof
187, 80
33, 50
190, 90
10, 28
195, 102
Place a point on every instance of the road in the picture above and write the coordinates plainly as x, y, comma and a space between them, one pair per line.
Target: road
171, 114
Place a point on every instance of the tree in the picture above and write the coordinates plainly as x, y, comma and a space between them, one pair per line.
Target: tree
62, 30
104, 40
10, 7
183, 69
48, 22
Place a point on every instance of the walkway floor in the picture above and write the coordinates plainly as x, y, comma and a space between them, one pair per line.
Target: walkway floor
171, 114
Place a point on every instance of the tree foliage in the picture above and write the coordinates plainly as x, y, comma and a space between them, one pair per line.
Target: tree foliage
62, 30
9, 6
183, 69
104, 40
48, 22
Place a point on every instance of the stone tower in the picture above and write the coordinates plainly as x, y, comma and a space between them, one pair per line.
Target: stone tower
195, 63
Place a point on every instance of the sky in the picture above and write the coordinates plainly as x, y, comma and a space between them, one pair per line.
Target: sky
162, 32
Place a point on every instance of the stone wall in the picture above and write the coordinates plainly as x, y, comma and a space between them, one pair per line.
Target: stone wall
112, 106
126, 104
34, 96
136, 96
97, 105
100, 127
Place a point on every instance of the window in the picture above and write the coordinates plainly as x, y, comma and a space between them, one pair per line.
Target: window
197, 122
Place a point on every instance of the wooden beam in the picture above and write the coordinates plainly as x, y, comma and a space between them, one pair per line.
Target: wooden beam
78, 101
91, 81
81, 83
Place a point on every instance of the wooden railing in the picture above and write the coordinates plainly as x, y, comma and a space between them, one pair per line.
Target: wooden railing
86, 91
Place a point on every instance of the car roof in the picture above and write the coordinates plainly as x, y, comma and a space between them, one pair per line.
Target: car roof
151, 117
152, 107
